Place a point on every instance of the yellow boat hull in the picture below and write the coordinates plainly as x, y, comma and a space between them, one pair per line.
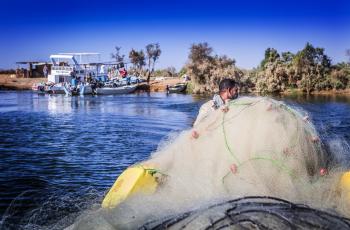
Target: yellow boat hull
141, 180
135, 179
345, 185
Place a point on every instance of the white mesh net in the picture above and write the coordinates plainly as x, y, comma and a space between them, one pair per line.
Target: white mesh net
258, 147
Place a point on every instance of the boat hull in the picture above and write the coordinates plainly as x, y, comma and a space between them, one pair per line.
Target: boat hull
85, 90
180, 88
116, 90
55, 90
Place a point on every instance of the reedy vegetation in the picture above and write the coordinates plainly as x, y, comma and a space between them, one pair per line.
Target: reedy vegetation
207, 70
310, 69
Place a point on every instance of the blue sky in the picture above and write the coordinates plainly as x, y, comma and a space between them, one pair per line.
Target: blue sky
32, 30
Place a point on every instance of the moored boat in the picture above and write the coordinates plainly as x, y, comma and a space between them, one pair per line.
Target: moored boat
178, 88
55, 89
116, 90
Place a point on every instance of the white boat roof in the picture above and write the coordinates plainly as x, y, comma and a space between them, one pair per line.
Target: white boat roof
80, 54
61, 56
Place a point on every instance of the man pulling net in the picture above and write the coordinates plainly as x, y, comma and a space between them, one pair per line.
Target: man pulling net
246, 147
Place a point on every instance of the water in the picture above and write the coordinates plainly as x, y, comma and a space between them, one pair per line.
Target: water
59, 155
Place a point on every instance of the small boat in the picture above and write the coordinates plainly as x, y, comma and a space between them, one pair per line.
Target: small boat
178, 88
82, 89
116, 90
55, 89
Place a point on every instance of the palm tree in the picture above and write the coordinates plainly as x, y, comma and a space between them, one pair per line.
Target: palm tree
156, 54
141, 60
153, 52
134, 56
149, 52
137, 58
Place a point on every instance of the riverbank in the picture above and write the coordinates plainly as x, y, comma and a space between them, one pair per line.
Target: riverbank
10, 82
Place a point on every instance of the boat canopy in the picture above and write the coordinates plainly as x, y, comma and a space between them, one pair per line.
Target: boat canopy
61, 56
55, 57
85, 58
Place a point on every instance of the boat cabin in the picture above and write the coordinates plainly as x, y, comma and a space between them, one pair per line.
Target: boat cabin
32, 69
68, 66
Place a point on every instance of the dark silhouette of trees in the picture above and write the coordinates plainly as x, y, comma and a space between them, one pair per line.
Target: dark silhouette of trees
117, 56
137, 58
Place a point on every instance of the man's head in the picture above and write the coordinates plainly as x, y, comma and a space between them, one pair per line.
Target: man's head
228, 89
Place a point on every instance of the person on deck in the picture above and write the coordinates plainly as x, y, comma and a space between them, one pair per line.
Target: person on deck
228, 90
45, 71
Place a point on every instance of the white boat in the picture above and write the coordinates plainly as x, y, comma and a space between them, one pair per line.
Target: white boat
116, 90
66, 67
55, 89
85, 89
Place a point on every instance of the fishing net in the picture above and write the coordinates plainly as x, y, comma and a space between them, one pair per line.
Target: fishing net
258, 147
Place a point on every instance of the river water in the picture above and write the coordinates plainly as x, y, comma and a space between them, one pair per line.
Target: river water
59, 155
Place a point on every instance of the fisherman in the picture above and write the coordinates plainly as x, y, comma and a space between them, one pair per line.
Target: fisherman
228, 90
45, 70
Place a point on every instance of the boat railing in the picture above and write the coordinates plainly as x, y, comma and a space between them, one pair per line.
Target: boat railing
66, 68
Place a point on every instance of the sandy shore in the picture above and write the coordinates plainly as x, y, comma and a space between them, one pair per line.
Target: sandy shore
10, 82
160, 86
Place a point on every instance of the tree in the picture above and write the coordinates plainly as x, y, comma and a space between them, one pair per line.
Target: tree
207, 70
141, 61
312, 66
149, 53
134, 56
200, 52
156, 54
271, 55
137, 58
117, 56
287, 57
153, 52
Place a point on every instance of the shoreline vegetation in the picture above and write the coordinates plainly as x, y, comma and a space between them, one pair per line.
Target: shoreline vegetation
308, 71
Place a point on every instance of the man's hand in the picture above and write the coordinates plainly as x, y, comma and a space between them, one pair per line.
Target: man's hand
224, 108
